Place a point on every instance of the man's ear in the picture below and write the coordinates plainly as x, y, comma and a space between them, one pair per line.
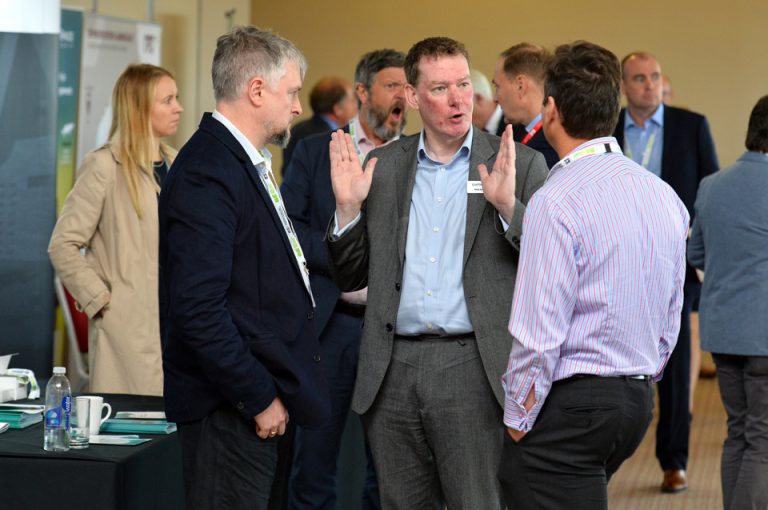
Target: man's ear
521, 85
410, 96
361, 92
255, 88
549, 113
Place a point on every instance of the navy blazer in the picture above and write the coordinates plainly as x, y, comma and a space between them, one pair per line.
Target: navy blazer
729, 242
309, 200
538, 143
236, 319
304, 129
688, 155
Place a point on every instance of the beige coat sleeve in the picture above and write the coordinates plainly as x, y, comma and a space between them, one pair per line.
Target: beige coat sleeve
78, 222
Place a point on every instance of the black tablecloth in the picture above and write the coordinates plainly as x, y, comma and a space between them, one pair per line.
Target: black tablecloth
146, 476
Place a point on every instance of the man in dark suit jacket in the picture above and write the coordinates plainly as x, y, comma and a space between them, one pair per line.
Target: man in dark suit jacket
239, 350
379, 80
333, 106
519, 80
677, 146
432, 244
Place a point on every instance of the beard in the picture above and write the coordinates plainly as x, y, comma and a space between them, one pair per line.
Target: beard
280, 138
377, 120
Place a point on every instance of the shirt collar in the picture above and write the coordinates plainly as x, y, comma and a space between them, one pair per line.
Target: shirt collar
493, 123
257, 156
464, 151
331, 123
657, 118
595, 141
533, 123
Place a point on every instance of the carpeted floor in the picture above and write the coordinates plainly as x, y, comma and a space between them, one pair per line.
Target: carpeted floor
636, 485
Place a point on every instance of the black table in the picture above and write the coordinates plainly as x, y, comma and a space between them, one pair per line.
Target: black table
103, 477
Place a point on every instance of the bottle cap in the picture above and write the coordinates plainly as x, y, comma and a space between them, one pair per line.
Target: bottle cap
59, 370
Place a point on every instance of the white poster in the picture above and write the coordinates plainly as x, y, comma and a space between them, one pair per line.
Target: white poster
109, 45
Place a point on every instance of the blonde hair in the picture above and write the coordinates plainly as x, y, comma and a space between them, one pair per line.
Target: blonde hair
131, 132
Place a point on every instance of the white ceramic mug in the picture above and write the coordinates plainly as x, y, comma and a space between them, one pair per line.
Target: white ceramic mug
97, 413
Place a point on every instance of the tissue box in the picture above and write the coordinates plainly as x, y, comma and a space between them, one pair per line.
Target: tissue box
11, 389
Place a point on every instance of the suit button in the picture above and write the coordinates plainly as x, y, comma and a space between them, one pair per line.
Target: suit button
397, 286
316, 357
240, 406
310, 316
389, 327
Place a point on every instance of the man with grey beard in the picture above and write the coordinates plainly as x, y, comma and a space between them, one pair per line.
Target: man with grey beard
306, 189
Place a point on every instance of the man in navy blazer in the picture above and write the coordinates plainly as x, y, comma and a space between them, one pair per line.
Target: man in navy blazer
309, 199
519, 81
676, 145
239, 351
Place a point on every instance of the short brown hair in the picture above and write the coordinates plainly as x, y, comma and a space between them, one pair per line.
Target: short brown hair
432, 47
526, 58
757, 132
327, 93
584, 80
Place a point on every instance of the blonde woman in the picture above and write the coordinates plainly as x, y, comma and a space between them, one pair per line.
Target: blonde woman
111, 213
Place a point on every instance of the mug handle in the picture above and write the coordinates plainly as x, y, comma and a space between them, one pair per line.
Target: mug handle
109, 413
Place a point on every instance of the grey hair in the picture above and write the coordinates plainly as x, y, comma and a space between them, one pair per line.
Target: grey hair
373, 62
480, 83
245, 52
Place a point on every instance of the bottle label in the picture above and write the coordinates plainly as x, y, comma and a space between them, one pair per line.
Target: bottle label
53, 418
66, 409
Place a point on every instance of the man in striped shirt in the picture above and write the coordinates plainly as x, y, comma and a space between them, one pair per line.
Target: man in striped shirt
596, 327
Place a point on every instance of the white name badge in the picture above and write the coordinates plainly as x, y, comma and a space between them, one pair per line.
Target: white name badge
474, 187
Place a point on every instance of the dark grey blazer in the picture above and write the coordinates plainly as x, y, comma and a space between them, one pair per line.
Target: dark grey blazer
372, 253
729, 242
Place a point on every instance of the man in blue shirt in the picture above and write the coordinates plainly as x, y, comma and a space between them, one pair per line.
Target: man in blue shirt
437, 245
676, 145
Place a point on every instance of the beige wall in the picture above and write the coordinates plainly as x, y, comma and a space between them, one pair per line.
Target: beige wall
190, 29
714, 52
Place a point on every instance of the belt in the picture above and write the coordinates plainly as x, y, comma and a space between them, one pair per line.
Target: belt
593, 376
426, 337
348, 308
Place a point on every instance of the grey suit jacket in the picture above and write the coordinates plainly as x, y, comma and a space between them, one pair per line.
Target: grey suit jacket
729, 242
373, 251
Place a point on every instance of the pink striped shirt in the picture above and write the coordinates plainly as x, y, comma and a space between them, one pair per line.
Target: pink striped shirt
600, 279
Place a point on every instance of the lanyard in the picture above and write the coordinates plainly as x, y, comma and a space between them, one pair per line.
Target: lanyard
647, 152
268, 179
531, 133
592, 150
352, 133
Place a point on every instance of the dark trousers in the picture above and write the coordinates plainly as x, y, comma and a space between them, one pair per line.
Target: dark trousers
743, 384
587, 427
435, 428
316, 452
674, 425
225, 464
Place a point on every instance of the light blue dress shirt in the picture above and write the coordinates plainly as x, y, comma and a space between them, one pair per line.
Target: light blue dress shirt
432, 299
636, 139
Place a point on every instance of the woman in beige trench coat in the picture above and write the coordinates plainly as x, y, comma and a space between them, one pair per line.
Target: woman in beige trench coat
105, 243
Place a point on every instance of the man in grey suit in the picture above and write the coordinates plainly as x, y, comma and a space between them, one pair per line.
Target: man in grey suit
729, 242
435, 235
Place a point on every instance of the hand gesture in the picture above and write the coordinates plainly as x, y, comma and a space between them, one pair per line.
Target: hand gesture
350, 183
499, 185
272, 420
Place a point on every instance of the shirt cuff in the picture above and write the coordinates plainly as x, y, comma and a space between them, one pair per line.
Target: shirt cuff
337, 233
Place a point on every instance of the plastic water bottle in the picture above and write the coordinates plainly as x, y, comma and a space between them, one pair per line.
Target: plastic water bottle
58, 404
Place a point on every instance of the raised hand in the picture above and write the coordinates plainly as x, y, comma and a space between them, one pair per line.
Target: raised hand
350, 183
499, 185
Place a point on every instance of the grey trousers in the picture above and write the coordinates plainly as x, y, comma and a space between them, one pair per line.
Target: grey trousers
743, 384
435, 429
